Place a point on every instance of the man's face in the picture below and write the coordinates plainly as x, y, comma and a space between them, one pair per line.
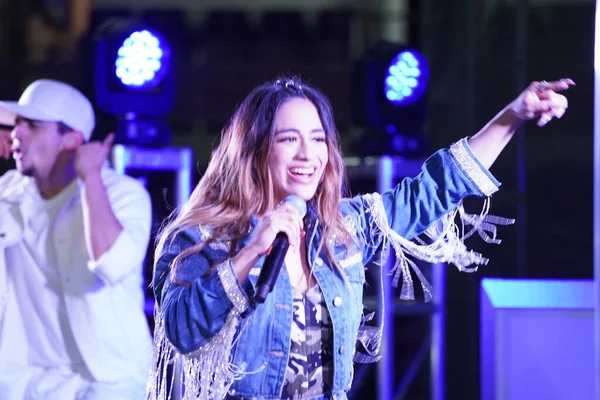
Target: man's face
36, 146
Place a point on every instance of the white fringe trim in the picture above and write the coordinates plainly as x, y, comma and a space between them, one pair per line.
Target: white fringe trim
447, 246
201, 375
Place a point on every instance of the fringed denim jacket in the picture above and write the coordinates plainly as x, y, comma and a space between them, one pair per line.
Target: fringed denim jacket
228, 345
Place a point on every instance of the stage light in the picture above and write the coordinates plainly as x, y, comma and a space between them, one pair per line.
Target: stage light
142, 60
134, 81
389, 99
406, 78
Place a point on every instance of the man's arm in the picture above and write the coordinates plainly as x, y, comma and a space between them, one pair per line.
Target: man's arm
100, 223
117, 215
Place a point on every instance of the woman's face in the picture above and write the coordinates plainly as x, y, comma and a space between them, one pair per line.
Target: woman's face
299, 152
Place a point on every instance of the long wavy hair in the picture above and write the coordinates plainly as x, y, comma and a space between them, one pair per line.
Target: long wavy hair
237, 182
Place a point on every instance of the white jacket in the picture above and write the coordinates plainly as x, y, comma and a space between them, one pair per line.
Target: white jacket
104, 299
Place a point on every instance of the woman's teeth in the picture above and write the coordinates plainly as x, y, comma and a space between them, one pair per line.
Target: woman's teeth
302, 171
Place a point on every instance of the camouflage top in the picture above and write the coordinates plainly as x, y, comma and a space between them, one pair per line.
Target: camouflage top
310, 367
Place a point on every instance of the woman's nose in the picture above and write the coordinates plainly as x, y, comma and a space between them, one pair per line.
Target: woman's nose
305, 151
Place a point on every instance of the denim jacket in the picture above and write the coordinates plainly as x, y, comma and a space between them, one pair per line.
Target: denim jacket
241, 348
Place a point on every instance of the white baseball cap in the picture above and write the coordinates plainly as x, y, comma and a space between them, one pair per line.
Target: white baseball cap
49, 100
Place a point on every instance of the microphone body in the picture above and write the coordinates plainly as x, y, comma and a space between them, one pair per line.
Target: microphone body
274, 260
271, 267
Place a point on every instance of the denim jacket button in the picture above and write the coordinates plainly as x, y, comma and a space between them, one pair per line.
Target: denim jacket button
342, 350
337, 301
319, 261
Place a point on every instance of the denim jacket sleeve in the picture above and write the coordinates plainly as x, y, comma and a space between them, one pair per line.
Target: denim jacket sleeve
446, 178
194, 308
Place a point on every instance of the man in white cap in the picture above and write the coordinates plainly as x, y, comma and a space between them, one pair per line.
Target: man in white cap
73, 237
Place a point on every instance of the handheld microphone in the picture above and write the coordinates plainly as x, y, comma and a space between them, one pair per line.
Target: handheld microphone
274, 261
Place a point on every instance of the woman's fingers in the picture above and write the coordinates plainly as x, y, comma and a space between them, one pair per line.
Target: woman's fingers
285, 218
290, 222
542, 101
555, 86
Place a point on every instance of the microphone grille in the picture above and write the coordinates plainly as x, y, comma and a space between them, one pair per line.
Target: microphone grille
298, 203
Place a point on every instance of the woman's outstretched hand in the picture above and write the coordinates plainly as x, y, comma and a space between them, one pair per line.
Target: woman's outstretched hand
542, 100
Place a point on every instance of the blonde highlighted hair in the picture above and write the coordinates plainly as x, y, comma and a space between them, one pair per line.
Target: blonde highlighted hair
237, 184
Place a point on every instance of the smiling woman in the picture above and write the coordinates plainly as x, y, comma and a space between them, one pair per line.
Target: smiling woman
299, 342
298, 155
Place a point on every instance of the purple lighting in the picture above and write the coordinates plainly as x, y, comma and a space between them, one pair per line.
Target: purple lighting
406, 78
142, 60
537, 339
